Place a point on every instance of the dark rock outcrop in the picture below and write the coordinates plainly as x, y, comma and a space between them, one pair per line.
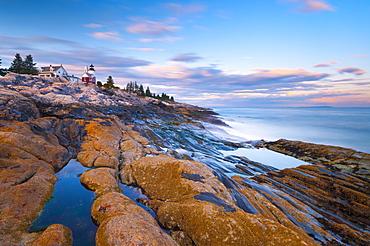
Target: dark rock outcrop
334, 158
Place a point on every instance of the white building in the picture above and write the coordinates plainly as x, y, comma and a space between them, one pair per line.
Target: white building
57, 72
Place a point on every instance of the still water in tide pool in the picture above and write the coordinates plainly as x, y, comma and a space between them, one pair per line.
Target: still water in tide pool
71, 202
70, 206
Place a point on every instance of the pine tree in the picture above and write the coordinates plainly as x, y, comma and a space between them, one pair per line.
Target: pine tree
28, 66
147, 92
17, 64
141, 90
110, 83
2, 70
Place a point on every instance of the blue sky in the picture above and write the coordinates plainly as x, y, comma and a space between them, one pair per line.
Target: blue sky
210, 53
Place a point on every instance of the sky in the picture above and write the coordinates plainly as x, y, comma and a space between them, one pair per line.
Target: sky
211, 53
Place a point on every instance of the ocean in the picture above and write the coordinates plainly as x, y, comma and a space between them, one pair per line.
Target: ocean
345, 127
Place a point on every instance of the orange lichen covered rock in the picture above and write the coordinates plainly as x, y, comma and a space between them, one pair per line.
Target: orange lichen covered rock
198, 209
101, 145
101, 180
29, 156
165, 178
131, 230
37, 141
115, 203
54, 235
123, 222
205, 223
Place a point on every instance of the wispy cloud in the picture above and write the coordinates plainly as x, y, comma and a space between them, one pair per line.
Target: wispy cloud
152, 28
59, 51
93, 25
185, 9
352, 70
312, 6
360, 55
325, 64
113, 36
164, 40
213, 80
187, 57
145, 49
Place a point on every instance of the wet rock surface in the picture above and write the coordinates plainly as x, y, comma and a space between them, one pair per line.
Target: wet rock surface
164, 149
334, 158
122, 222
54, 235
26, 176
202, 213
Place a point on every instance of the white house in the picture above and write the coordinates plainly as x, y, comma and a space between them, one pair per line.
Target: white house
57, 72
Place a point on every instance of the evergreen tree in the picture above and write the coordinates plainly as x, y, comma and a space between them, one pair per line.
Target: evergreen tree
28, 66
17, 64
130, 87
99, 83
2, 70
147, 92
141, 90
110, 83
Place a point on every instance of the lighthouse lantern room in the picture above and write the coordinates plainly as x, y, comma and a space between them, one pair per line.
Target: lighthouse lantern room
89, 75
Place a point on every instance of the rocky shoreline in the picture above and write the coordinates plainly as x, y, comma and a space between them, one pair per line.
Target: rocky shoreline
164, 149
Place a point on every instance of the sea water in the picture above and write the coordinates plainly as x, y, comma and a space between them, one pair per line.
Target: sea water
345, 127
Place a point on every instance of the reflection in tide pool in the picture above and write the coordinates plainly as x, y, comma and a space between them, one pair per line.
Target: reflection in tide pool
135, 194
267, 157
70, 206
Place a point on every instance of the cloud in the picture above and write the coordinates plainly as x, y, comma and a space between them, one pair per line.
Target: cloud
185, 9
46, 50
187, 57
164, 40
214, 80
151, 28
93, 25
352, 70
145, 49
312, 6
360, 55
223, 14
113, 36
325, 64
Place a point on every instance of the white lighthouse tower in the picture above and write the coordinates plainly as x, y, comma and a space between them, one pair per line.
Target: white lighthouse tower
89, 75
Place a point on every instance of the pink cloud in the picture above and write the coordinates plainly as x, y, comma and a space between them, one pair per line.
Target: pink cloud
145, 49
325, 64
352, 70
311, 6
165, 39
93, 25
360, 55
113, 36
151, 28
185, 9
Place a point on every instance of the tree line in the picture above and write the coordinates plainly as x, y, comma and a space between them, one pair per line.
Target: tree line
134, 87
20, 65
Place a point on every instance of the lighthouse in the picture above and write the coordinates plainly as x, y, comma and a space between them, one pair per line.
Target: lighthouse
89, 75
